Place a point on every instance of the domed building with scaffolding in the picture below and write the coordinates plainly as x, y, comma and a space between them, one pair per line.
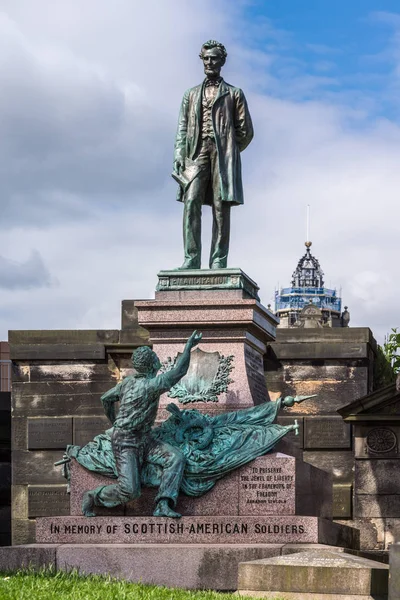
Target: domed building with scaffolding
308, 303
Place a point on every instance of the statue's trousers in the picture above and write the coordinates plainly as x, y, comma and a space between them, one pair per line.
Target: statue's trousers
131, 451
207, 177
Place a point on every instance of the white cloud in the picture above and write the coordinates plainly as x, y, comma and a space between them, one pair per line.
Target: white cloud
29, 274
90, 97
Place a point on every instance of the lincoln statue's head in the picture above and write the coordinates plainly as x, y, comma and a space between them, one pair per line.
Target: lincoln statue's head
213, 54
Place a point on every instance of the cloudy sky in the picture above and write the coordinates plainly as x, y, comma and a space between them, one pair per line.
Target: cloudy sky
90, 92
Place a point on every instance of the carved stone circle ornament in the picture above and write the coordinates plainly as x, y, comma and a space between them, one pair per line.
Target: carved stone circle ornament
381, 440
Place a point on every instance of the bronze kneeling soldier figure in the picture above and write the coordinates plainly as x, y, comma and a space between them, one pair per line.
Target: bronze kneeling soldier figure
132, 443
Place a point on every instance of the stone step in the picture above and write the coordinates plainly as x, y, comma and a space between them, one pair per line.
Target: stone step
190, 566
314, 575
303, 596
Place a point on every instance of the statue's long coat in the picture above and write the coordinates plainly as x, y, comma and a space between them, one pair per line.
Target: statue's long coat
233, 132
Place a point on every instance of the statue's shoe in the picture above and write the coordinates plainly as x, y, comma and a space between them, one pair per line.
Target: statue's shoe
88, 505
218, 264
188, 264
164, 510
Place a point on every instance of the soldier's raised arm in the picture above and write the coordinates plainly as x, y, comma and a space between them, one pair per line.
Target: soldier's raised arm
165, 381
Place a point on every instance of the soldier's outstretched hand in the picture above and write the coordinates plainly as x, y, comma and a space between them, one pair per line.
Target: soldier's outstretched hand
194, 339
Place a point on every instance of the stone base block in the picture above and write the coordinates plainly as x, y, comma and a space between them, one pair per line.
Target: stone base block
194, 530
218, 283
302, 596
189, 566
315, 572
274, 484
394, 579
34, 556
182, 566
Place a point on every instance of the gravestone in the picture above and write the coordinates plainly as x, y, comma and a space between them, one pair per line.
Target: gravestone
326, 432
394, 571
375, 419
47, 500
314, 575
45, 433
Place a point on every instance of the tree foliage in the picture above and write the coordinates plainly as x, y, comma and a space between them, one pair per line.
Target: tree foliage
387, 361
391, 348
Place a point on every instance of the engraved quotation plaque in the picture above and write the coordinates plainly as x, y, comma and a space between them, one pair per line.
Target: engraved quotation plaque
268, 489
326, 432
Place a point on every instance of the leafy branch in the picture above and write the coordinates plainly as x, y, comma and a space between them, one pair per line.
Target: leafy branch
391, 349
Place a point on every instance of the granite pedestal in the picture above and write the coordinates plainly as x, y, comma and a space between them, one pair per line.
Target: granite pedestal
224, 306
289, 508
273, 502
275, 484
191, 566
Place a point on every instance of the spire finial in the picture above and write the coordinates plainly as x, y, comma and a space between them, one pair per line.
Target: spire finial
308, 243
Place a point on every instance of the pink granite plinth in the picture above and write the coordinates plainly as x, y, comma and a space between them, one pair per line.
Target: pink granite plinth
247, 387
274, 484
232, 325
223, 499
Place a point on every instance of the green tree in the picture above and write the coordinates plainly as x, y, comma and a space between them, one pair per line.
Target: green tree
387, 361
391, 349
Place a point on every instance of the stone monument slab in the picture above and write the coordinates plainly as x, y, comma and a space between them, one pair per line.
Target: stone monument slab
377, 440
282, 485
255, 374
274, 484
342, 501
313, 574
49, 432
394, 571
210, 504
194, 566
326, 432
47, 500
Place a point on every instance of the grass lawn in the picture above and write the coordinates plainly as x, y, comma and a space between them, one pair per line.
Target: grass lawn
56, 585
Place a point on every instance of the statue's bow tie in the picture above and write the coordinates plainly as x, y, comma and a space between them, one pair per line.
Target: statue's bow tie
212, 82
